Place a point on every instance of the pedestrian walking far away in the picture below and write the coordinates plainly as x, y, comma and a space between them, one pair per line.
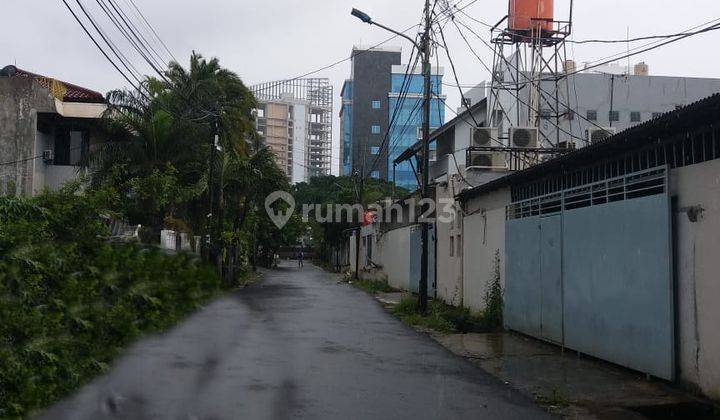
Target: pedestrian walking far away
300, 259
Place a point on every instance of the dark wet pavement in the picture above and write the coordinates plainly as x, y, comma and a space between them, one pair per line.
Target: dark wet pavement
296, 345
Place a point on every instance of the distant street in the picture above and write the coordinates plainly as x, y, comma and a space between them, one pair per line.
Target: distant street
297, 345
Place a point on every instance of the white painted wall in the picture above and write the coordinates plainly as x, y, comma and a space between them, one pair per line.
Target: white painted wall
449, 236
484, 234
392, 252
698, 268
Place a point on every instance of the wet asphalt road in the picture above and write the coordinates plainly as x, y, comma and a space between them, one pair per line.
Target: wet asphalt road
297, 345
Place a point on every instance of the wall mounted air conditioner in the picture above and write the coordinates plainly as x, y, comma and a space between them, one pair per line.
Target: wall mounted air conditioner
48, 156
484, 137
486, 160
567, 145
598, 134
524, 137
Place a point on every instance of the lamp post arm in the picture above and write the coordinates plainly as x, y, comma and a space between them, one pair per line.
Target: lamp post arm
397, 33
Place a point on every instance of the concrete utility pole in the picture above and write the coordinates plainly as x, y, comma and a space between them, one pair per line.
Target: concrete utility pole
425, 187
424, 49
360, 185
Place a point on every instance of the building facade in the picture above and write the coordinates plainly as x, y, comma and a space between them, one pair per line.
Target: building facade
591, 105
382, 113
294, 119
46, 128
406, 130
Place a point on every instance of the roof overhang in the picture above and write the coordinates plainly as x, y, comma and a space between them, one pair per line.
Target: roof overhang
80, 109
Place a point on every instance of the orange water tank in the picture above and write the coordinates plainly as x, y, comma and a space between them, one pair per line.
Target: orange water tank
524, 15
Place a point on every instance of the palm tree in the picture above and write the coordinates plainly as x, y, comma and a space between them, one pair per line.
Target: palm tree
159, 147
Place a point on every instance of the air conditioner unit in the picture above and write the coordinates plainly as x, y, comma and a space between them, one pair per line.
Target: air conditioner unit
486, 160
524, 137
484, 137
48, 156
567, 145
595, 135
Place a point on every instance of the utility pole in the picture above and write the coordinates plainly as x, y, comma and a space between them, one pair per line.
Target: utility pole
424, 49
425, 187
212, 252
360, 187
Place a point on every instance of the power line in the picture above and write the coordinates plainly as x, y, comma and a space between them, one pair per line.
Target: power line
105, 54
152, 29
126, 29
462, 95
404, 90
137, 32
642, 38
517, 95
338, 62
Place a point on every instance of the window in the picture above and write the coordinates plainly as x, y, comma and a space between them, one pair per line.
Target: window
614, 115
635, 116
374, 150
70, 146
376, 129
458, 251
452, 246
592, 115
376, 104
375, 174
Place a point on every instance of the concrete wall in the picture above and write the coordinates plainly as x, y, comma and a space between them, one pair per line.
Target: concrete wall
449, 247
698, 268
483, 230
392, 252
20, 102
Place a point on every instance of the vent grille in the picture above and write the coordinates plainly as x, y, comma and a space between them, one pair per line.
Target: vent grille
482, 160
483, 136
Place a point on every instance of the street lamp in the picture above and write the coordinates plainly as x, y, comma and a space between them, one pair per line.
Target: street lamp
424, 48
367, 19
361, 15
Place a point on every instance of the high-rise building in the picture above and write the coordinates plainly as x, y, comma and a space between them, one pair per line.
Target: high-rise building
294, 119
408, 83
382, 96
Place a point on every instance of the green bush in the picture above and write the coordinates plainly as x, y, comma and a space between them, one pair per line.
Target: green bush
373, 286
70, 300
444, 318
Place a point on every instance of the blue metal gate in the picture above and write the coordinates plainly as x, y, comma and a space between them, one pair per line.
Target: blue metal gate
590, 268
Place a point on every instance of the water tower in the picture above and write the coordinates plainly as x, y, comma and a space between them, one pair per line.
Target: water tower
529, 83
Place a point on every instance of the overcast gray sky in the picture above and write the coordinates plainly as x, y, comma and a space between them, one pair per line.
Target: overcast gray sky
277, 39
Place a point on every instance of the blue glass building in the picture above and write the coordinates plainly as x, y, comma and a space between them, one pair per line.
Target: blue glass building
407, 128
371, 138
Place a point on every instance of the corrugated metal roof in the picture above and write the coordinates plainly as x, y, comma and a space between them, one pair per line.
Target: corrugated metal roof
67, 92
703, 111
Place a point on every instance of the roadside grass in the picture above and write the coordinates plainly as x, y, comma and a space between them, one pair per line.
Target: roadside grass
444, 318
373, 287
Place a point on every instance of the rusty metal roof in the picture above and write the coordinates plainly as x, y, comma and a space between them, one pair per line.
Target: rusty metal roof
66, 92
